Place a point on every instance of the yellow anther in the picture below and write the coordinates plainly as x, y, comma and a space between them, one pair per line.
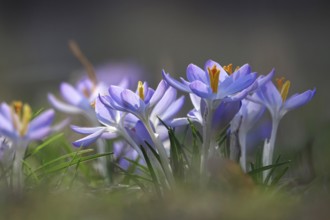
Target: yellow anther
285, 90
92, 104
214, 73
283, 87
17, 107
237, 68
279, 82
141, 90
21, 116
86, 93
26, 117
228, 68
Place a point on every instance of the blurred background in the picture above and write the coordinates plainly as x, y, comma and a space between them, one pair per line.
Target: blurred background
292, 36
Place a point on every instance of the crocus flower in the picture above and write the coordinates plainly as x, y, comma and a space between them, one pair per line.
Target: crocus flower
122, 116
276, 101
215, 84
17, 125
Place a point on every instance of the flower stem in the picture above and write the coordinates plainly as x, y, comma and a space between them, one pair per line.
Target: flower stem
17, 172
207, 127
242, 142
162, 154
267, 157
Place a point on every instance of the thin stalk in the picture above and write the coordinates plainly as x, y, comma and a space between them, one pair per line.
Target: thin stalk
267, 157
102, 163
162, 154
242, 142
17, 173
207, 132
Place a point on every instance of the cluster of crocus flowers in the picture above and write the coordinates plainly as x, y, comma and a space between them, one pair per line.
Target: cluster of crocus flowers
19, 128
220, 96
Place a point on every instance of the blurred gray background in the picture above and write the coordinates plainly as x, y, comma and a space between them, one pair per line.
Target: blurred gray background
292, 36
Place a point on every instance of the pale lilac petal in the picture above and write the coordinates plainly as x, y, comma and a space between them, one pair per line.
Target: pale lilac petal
115, 94
242, 71
298, 100
172, 109
5, 111
88, 140
7, 128
149, 94
104, 114
61, 106
195, 100
178, 122
270, 96
200, 89
132, 101
164, 103
176, 84
238, 85
223, 114
264, 79
159, 92
210, 64
72, 96
196, 73
195, 115
251, 113
39, 133
45, 119
86, 130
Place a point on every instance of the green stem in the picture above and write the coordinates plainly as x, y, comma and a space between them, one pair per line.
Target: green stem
207, 133
268, 151
17, 174
162, 154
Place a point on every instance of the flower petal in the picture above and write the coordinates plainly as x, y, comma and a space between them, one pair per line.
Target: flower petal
210, 64
39, 133
200, 89
132, 102
223, 114
5, 111
159, 93
264, 79
196, 73
172, 109
237, 85
104, 114
61, 106
270, 96
298, 100
115, 94
242, 71
45, 119
195, 100
88, 140
72, 96
176, 84
85, 130
164, 103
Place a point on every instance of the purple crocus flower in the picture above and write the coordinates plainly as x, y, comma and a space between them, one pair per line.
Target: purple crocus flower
214, 82
120, 117
17, 125
215, 85
276, 101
